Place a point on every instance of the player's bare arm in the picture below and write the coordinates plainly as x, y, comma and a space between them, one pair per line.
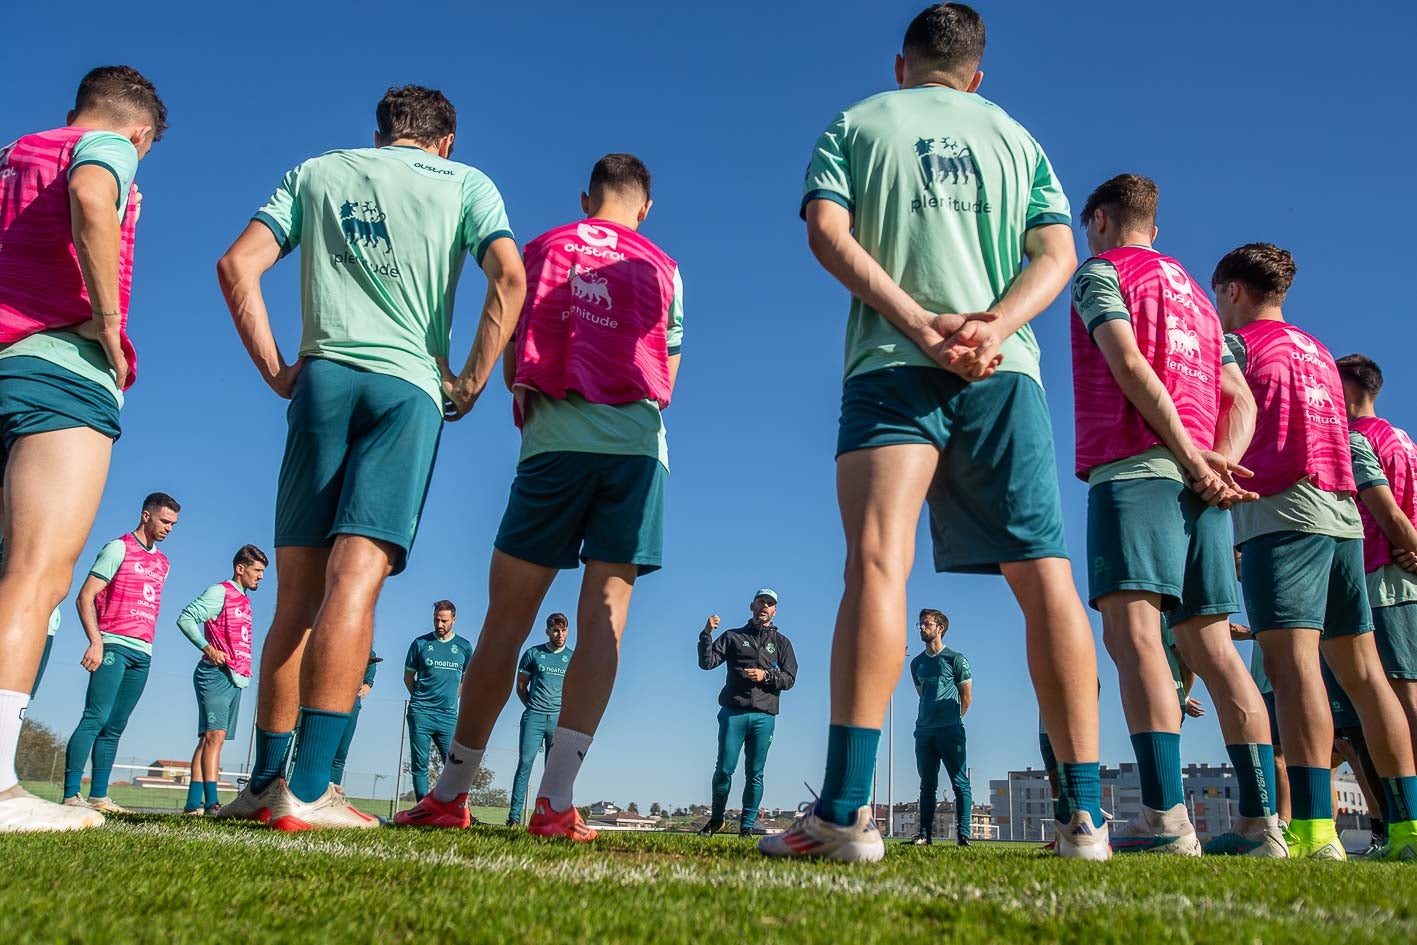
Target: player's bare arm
88, 619
239, 271
1396, 527
506, 289
93, 195
1145, 391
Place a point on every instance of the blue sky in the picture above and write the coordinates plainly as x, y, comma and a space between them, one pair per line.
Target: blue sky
1260, 121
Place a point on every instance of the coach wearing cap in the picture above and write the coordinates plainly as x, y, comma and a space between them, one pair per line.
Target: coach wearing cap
760, 664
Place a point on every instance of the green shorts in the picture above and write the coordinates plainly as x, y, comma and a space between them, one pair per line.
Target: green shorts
568, 507
218, 699
1157, 535
1301, 580
358, 458
38, 396
1344, 713
1396, 629
995, 495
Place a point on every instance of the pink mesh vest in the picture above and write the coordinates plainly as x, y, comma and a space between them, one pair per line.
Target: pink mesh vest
127, 606
596, 315
230, 630
1178, 333
1398, 455
41, 285
1302, 429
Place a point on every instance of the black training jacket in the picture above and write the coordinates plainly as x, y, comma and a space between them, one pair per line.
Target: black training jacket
750, 648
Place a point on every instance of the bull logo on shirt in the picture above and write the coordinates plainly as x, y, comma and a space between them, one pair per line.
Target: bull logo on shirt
1180, 339
586, 286
945, 158
1316, 394
363, 225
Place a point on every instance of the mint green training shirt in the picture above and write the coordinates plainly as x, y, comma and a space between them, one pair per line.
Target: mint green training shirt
384, 233
942, 186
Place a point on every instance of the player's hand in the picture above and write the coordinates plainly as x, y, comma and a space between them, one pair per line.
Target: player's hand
755, 675
363, 691
972, 351
711, 625
458, 394
1194, 708
105, 330
93, 657
284, 381
137, 202
1205, 481
1229, 472
1405, 560
213, 655
1238, 631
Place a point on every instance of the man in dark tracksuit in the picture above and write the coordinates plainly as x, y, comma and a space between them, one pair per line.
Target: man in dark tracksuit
761, 664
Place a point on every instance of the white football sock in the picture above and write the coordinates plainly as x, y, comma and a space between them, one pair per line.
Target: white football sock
12, 717
458, 773
563, 763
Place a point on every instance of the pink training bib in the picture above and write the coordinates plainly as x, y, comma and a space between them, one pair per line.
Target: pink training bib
41, 285
1398, 456
1302, 428
128, 605
596, 315
230, 630
1180, 336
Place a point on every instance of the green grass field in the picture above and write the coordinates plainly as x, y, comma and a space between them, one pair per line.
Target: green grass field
170, 879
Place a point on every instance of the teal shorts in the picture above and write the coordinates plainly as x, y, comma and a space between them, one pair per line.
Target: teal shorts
218, 699
568, 507
1301, 580
358, 458
38, 396
1157, 535
995, 495
1396, 629
1344, 713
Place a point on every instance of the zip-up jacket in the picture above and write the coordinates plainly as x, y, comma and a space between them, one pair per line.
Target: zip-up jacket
751, 648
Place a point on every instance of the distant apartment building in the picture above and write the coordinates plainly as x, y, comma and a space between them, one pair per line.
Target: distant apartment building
907, 820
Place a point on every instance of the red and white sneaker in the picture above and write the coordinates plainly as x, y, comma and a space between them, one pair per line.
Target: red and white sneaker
566, 824
251, 805
431, 812
330, 811
814, 838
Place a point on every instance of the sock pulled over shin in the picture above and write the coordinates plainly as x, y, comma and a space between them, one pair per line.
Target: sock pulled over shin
458, 774
851, 767
1079, 788
563, 763
1254, 772
320, 735
194, 796
1159, 764
272, 748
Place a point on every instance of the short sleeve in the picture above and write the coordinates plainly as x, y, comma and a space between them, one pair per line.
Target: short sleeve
109, 560
112, 152
484, 215
282, 213
527, 665
1227, 356
675, 334
829, 171
1047, 204
1367, 469
915, 672
1238, 350
1097, 294
962, 673
410, 662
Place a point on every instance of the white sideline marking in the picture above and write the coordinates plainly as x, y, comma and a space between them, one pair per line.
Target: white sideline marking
1031, 897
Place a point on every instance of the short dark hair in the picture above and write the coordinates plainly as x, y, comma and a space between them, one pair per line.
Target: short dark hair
947, 36
936, 616
1361, 370
620, 172
411, 111
123, 92
1129, 199
249, 555
447, 605
557, 620
1263, 268
160, 500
